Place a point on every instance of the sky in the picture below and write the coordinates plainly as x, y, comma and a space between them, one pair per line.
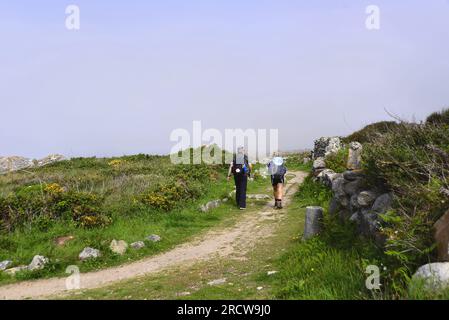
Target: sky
137, 70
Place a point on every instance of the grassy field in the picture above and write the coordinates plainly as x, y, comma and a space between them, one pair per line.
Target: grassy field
128, 195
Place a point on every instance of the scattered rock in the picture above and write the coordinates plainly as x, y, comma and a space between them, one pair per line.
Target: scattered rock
319, 164
259, 288
38, 263
118, 247
50, 159
5, 264
441, 236
325, 146
138, 245
61, 241
8, 164
269, 273
258, 196
217, 282
353, 187
435, 275
15, 270
353, 203
183, 294
314, 217
352, 175
327, 176
89, 253
154, 238
354, 156
383, 203
355, 217
366, 198
306, 160
210, 205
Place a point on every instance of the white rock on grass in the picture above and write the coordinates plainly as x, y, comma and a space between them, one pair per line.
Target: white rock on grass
118, 247
154, 238
217, 282
434, 275
38, 263
5, 265
269, 273
89, 253
138, 245
13, 271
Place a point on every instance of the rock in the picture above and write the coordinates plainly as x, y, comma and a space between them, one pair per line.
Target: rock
319, 164
352, 175
327, 176
325, 146
366, 198
434, 275
13, 271
210, 205
334, 206
50, 159
383, 203
355, 217
8, 164
258, 196
259, 288
154, 238
339, 192
217, 282
89, 253
353, 203
344, 214
183, 294
5, 264
270, 273
118, 247
138, 245
313, 223
369, 222
353, 187
306, 160
354, 156
61, 241
441, 235
38, 263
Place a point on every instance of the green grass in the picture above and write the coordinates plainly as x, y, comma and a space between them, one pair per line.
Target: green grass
131, 221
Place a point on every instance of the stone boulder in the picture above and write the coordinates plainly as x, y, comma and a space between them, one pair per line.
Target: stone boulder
118, 247
441, 235
325, 146
14, 271
339, 192
5, 265
366, 198
313, 223
89, 253
8, 164
154, 238
352, 175
327, 176
354, 156
38, 263
353, 187
138, 245
434, 275
383, 203
318, 165
50, 159
210, 205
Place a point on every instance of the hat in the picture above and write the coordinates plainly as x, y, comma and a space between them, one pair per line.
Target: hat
278, 161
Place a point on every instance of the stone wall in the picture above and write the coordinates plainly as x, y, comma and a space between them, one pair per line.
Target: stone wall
353, 200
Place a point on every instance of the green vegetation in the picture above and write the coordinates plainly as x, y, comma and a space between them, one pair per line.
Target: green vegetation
439, 118
295, 162
97, 200
338, 161
371, 131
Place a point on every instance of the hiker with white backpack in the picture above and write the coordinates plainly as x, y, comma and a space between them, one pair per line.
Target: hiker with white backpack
277, 170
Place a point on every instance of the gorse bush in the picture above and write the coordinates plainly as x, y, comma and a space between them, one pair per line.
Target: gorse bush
338, 161
371, 132
412, 160
439, 118
41, 205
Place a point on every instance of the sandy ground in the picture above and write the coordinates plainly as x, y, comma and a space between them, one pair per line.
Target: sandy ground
232, 242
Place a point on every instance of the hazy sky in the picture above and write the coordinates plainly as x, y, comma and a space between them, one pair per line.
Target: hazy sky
136, 70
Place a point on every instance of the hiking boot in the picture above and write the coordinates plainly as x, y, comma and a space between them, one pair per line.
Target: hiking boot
242, 208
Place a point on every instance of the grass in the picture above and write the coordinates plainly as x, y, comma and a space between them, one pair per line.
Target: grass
130, 221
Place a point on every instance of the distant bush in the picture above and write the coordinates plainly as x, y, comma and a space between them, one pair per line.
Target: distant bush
371, 132
439, 118
41, 205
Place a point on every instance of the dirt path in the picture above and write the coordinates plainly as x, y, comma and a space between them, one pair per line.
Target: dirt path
216, 242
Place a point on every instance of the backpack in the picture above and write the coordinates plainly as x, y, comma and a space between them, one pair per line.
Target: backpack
241, 168
278, 172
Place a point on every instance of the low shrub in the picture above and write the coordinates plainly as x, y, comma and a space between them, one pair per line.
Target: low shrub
371, 132
338, 161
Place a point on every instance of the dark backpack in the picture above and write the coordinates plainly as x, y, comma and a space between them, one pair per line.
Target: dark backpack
278, 172
243, 168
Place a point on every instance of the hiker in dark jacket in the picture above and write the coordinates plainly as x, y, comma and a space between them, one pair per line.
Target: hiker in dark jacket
241, 169
277, 170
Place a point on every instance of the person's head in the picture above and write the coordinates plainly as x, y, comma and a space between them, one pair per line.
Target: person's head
278, 161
